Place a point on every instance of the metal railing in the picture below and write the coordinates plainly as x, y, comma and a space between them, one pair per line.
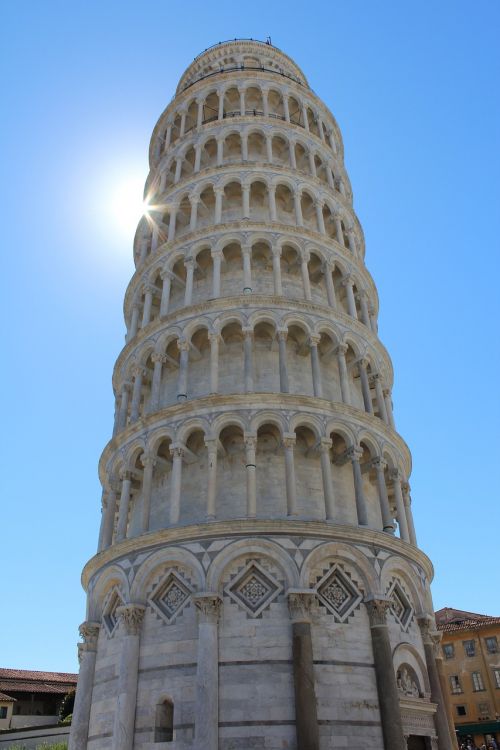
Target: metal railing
245, 67
241, 39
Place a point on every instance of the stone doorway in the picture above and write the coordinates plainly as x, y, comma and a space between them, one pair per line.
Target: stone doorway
416, 742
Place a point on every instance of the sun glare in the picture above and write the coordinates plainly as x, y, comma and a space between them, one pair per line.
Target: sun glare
127, 205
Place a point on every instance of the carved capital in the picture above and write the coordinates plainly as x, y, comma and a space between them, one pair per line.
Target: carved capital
289, 441
138, 371
377, 610
324, 445
374, 378
427, 627
314, 340
148, 288
208, 605
127, 386
157, 357
131, 616
282, 334
341, 349
347, 280
183, 345
300, 604
177, 451
396, 475
147, 459
250, 442
354, 453
211, 446
89, 632
378, 463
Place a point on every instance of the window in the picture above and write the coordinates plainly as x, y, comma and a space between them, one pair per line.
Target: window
461, 711
448, 650
164, 721
483, 710
491, 644
455, 684
496, 675
3, 712
477, 681
470, 648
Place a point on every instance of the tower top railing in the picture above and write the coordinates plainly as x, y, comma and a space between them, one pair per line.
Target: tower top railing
238, 39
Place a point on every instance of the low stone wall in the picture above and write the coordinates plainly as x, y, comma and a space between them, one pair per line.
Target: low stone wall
32, 738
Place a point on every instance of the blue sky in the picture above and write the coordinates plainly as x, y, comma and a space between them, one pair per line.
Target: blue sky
414, 88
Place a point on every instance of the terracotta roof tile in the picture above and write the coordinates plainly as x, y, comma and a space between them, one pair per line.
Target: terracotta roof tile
29, 681
4, 697
28, 674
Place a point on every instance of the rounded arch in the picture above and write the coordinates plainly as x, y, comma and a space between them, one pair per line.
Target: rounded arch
228, 420
228, 317
342, 553
397, 567
253, 547
339, 428
200, 324
268, 417
111, 577
186, 428
310, 421
166, 557
406, 654
156, 438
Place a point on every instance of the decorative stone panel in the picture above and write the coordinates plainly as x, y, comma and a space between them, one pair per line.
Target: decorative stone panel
109, 612
338, 593
170, 596
253, 589
400, 605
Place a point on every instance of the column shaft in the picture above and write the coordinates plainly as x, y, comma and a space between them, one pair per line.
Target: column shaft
316, 370
250, 446
212, 477
206, 727
121, 528
284, 385
175, 484
291, 490
87, 653
124, 723
248, 363
358, 488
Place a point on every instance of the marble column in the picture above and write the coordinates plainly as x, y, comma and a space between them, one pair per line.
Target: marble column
219, 192
375, 381
278, 288
269, 149
352, 241
284, 385
388, 407
134, 322
148, 463
363, 303
312, 164
87, 652
131, 617
245, 189
345, 390
339, 235
177, 453
291, 487
244, 146
315, 366
354, 454
347, 282
217, 262
300, 604
272, 202
148, 302
326, 472
206, 726
183, 347
214, 339
242, 102
304, 267
373, 319
199, 117
123, 508
165, 292
330, 288
248, 359
319, 217
158, 361
247, 269
387, 520
182, 130
286, 108
220, 152
123, 412
365, 385
108, 521
220, 113
250, 449
396, 477
178, 168
388, 696
171, 224
212, 477
193, 221
188, 292
293, 157
139, 373
409, 515
426, 625
197, 158
298, 208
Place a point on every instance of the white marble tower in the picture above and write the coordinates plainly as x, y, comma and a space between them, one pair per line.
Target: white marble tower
258, 582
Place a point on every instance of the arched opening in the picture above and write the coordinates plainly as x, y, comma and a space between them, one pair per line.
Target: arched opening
170, 374
160, 493
259, 201
183, 217
211, 107
295, 111
232, 149
164, 721
178, 285
176, 128
329, 222
257, 147
135, 504
320, 169
191, 116
188, 163
301, 158
231, 474
342, 480
315, 268
232, 102
313, 122
194, 478
206, 207
253, 101
262, 268
208, 156
308, 211
291, 277
231, 358
275, 104
281, 151
340, 290
199, 364
370, 489
299, 361
266, 359
330, 378
232, 202
308, 477
270, 473
285, 209
232, 270
351, 359
203, 275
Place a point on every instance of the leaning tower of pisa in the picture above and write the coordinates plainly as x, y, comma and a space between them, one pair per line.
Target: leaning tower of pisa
258, 582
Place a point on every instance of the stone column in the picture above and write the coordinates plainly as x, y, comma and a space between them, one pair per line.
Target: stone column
108, 521
387, 521
242, 102
330, 176
245, 189
182, 129
300, 603
214, 362
199, 118
319, 217
247, 269
87, 652
219, 192
326, 472
284, 385
248, 359
305, 118
244, 146
272, 202
131, 616
298, 208
165, 292
155, 237
122, 414
177, 453
265, 102
149, 463
193, 221
388, 407
388, 696
139, 373
168, 135
365, 315
278, 288
339, 235
426, 624
352, 241
400, 507
217, 261
188, 292
250, 447
375, 381
293, 158
443, 681
197, 157
220, 114
315, 366
183, 347
145, 242
171, 224
347, 282
312, 164
178, 168
331, 139
409, 515
365, 386
220, 152
305, 276
206, 727
330, 288
291, 490
134, 322
343, 375
373, 319
212, 478
123, 508
158, 360
286, 109
354, 454
148, 301
269, 149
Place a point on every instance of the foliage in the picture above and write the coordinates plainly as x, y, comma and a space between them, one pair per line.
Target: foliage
67, 704
66, 721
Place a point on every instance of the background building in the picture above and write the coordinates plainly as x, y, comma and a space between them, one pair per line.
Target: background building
258, 581
35, 697
471, 663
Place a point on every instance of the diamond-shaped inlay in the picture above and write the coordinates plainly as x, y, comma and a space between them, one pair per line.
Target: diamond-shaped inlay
338, 593
253, 589
109, 616
401, 607
171, 596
